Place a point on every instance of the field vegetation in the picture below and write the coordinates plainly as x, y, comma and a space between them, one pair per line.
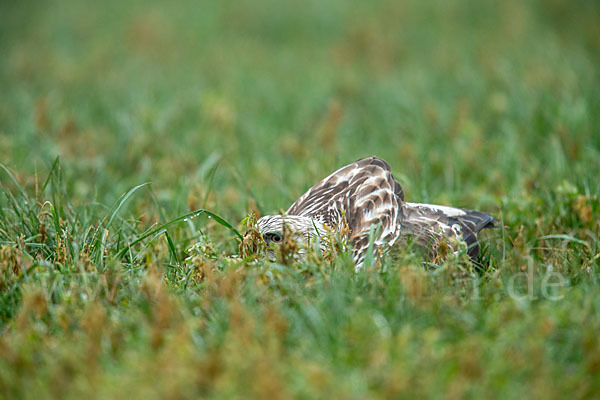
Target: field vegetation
120, 120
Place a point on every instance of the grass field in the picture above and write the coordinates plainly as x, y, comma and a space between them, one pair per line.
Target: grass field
118, 119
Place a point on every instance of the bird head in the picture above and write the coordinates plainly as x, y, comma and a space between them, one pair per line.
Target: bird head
289, 231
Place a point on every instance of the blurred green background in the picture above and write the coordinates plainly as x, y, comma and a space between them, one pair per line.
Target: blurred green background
468, 101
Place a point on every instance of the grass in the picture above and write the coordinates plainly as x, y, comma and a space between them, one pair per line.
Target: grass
123, 127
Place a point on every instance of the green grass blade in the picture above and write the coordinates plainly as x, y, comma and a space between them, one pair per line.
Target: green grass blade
50, 174
122, 201
14, 181
172, 248
182, 218
567, 238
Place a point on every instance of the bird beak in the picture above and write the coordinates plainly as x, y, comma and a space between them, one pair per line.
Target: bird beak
271, 254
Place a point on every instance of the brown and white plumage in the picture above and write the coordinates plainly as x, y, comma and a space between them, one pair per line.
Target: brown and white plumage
363, 197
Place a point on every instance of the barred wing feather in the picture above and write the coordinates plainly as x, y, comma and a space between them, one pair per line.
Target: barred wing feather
366, 194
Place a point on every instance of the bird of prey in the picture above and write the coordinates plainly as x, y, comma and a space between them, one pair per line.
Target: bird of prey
363, 202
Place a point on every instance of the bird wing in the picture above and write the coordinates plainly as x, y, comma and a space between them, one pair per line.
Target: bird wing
428, 223
364, 193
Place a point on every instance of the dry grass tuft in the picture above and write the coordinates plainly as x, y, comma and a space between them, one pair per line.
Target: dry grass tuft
252, 244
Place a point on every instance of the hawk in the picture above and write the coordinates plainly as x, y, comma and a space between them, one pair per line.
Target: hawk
363, 202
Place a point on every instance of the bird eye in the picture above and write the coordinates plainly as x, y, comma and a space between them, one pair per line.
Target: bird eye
274, 237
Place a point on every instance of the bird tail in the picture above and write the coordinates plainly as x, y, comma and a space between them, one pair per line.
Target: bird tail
427, 224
